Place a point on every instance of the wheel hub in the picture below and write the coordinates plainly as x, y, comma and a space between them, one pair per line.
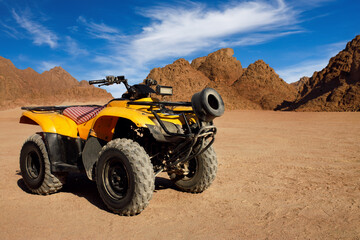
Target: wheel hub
116, 180
33, 165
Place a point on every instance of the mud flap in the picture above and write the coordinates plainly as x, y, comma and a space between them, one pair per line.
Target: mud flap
90, 155
64, 152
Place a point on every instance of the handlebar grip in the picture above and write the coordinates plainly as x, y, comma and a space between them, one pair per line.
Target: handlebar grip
97, 81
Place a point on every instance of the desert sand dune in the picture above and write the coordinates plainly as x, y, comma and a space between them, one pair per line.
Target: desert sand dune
282, 175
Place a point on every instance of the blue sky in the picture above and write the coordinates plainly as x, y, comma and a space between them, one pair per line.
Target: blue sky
91, 39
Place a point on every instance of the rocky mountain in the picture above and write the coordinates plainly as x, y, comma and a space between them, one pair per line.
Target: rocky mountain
263, 86
257, 87
184, 79
334, 88
220, 66
299, 85
27, 87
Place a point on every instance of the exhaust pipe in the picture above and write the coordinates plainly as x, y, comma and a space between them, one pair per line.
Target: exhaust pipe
207, 104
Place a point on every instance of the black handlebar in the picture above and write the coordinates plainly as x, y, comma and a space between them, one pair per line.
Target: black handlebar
109, 80
97, 81
133, 92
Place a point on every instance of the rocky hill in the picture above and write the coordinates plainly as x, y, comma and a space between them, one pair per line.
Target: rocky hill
182, 77
299, 85
27, 87
220, 66
257, 87
263, 86
334, 88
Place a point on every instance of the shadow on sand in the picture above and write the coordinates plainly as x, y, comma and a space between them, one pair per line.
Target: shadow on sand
81, 186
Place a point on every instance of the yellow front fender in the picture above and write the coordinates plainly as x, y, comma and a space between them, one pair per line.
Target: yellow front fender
139, 118
105, 122
51, 122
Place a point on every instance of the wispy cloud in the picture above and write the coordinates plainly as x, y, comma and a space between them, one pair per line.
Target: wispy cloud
39, 33
255, 39
179, 31
333, 48
306, 68
47, 65
182, 31
10, 31
73, 48
308, 4
99, 30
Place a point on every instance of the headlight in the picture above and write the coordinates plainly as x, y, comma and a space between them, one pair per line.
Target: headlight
164, 90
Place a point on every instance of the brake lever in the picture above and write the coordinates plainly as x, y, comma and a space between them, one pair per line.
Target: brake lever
105, 84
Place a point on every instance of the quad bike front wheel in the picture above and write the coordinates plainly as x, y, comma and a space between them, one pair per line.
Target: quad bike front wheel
201, 172
125, 177
35, 167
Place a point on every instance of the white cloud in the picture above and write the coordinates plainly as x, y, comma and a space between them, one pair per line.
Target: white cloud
98, 30
72, 47
255, 39
182, 31
305, 4
307, 68
319, 59
175, 32
334, 48
11, 31
47, 65
40, 34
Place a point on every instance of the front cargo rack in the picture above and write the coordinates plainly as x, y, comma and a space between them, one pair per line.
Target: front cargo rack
159, 104
192, 139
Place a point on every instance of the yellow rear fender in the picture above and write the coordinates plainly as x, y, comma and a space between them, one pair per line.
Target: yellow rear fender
51, 122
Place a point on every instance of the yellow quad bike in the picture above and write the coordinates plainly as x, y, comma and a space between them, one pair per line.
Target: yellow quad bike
124, 145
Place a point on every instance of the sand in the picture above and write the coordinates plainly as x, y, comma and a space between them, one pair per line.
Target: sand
282, 175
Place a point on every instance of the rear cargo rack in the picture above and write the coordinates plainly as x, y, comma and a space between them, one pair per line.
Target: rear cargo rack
54, 108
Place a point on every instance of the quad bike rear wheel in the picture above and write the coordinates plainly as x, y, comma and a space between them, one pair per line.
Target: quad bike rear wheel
35, 167
201, 172
125, 177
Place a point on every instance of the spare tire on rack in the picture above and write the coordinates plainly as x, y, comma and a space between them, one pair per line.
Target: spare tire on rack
207, 104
